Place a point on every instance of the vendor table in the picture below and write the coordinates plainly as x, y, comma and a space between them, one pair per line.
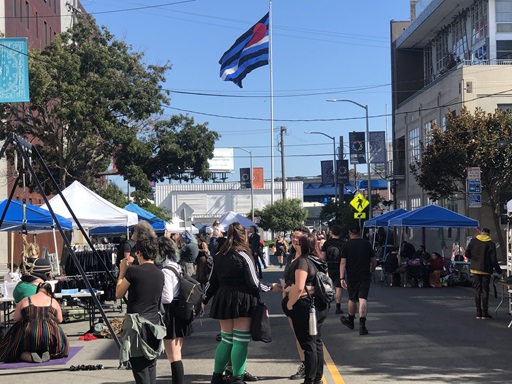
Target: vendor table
86, 297
504, 287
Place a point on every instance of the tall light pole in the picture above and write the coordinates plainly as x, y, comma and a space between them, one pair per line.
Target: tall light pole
252, 181
334, 170
365, 107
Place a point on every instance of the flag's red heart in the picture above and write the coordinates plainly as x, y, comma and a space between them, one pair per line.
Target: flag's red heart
258, 33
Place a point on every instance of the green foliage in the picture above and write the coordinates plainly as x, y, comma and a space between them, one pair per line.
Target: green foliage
283, 215
94, 101
114, 194
342, 215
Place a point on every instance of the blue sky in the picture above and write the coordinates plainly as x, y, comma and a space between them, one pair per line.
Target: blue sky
322, 49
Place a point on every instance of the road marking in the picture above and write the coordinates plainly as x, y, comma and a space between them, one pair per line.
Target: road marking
333, 370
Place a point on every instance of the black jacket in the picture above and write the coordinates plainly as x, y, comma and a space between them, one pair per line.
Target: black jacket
481, 252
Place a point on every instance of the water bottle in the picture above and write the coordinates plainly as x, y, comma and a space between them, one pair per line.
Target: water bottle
312, 322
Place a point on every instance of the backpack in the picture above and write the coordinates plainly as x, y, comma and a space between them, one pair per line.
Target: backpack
333, 254
325, 291
189, 298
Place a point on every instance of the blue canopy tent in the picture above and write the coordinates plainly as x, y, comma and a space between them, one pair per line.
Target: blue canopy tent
30, 218
432, 216
157, 223
382, 220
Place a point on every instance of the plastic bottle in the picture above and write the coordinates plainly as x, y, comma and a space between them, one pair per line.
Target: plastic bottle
312, 322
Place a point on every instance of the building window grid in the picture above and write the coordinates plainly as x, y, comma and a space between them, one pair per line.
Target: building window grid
443, 123
479, 22
27, 12
441, 50
415, 203
414, 144
503, 16
428, 65
459, 39
14, 8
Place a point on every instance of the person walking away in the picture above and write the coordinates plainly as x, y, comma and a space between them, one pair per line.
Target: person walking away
481, 253
142, 330
176, 328
298, 304
281, 247
357, 265
189, 251
254, 244
234, 286
331, 253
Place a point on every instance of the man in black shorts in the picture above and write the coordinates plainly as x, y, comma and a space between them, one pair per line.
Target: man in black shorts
359, 262
331, 251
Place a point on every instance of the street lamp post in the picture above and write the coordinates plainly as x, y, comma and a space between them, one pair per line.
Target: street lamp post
334, 170
252, 181
365, 107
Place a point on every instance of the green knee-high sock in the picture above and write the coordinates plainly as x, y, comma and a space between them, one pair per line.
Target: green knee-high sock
223, 352
239, 351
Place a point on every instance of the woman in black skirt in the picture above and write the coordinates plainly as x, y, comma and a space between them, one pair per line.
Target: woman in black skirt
176, 329
234, 286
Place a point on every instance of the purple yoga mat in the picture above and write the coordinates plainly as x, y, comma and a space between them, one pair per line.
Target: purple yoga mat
72, 352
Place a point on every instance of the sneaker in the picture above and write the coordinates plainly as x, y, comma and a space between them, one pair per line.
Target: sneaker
346, 322
486, 316
339, 311
301, 373
362, 330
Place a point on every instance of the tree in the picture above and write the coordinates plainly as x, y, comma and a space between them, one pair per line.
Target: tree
94, 100
114, 194
283, 215
140, 198
483, 140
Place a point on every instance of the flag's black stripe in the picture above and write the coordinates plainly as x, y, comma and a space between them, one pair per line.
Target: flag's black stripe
238, 80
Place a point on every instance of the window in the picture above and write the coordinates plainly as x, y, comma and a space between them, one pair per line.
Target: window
37, 25
414, 144
459, 38
55, 6
504, 49
427, 65
428, 128
443, 123
441, 50
402, 204
479, 25
21, 10
27, 12
505, 107
45, 33
415, 203
503, 16
14, 8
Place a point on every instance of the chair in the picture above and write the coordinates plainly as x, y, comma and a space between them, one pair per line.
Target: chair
387, 271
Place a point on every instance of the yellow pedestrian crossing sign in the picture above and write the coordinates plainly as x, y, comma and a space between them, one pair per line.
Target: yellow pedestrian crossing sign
359, 202
359, 215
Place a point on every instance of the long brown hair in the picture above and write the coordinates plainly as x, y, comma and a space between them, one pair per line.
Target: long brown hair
309, 246
47, 287
236, 240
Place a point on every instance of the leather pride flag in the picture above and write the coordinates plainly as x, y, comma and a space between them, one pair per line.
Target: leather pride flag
250, 51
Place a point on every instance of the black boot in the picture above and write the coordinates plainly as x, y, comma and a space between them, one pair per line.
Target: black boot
217, 378
348, 321
362, 326
177, 372
237, 380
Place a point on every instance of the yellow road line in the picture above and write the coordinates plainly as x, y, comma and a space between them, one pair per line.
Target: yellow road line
333, 370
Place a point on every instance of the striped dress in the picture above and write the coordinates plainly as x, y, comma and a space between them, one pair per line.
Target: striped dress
37, 331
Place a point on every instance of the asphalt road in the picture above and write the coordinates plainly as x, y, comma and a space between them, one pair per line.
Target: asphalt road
416, 336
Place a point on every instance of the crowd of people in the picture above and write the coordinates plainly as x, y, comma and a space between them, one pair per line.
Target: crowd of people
226, 263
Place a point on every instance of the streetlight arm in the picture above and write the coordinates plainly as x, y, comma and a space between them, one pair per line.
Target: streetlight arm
347, 101
320, 133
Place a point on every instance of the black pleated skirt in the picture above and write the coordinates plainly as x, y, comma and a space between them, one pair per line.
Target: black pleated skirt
233, 302
175, 327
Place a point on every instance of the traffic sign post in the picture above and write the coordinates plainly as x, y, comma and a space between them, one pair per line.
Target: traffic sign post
359, 202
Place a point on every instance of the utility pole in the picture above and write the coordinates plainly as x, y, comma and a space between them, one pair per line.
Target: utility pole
283, 181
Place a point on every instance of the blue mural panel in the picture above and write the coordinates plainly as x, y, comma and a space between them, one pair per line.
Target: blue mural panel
14, 70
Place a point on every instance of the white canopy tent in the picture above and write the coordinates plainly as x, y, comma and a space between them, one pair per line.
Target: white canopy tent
177, 225
91, 210
231, 217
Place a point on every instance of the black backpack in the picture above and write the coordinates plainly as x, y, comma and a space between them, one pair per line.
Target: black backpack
333, 254
325, 292
190, 297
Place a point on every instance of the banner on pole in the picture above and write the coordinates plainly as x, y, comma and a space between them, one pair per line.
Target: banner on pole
257, 178
14, 70
377, 142
327, 173
357, 147
342, 168
245, 177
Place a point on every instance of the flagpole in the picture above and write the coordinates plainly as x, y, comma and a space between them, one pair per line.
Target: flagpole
271, 106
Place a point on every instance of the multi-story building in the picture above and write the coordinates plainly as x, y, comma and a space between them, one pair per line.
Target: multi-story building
39, 21
449, 55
